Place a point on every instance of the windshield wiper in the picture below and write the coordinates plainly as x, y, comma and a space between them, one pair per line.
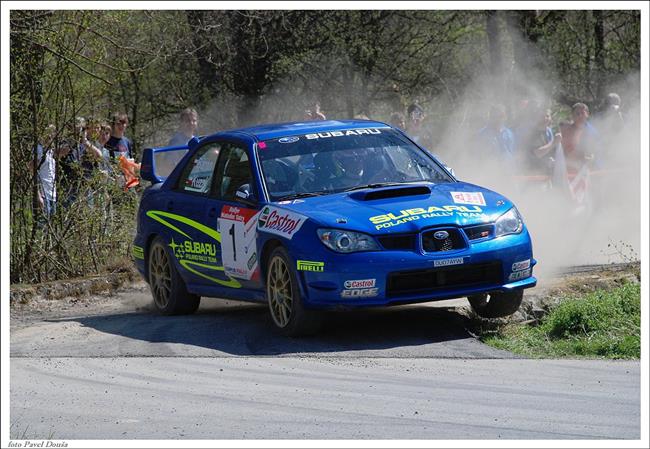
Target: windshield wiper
293, 196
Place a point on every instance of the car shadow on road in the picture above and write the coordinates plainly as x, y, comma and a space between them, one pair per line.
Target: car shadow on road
245, 329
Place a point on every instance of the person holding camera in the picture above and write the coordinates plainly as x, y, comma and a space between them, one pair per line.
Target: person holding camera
119, 145
315, 113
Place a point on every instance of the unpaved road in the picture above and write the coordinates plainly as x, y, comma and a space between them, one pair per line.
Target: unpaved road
109, 368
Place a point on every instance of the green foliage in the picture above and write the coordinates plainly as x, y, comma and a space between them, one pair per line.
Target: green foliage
604, 324
92, 234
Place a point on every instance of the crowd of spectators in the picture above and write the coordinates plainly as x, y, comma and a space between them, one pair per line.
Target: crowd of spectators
528, 143
67, 159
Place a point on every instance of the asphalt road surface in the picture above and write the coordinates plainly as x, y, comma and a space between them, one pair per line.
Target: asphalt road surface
119, 371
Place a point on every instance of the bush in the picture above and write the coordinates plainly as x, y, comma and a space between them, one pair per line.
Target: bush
90, 233
605, 323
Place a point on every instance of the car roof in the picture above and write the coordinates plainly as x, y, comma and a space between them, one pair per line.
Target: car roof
273, 131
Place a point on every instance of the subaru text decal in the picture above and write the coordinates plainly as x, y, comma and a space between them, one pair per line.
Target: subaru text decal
406, 215
192, 255
347, 132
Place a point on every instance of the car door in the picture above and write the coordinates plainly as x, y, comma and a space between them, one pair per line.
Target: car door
193, 244
233, 207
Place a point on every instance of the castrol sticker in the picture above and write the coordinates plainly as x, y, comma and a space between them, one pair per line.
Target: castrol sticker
280, 222
360, 283
518, 266
475, 198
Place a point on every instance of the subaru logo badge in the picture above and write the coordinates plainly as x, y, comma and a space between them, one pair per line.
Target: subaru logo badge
441, 235
291, 139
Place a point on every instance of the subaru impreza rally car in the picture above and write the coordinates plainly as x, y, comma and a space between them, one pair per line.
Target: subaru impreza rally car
326, 214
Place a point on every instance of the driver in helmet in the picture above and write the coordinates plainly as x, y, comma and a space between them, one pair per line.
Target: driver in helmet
351, 166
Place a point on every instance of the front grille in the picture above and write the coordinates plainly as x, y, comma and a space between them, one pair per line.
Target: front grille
433, 279
479, 232
398, 242
454, 240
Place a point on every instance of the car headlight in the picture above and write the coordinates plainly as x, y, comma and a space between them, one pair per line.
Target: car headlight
509, 223
347, 241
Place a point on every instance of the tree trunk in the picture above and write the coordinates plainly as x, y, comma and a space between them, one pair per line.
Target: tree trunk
494, 42
207, 69
599, 52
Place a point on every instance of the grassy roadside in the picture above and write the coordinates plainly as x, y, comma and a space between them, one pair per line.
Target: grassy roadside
601, 324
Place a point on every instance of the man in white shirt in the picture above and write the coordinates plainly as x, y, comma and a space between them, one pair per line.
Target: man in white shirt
46, 170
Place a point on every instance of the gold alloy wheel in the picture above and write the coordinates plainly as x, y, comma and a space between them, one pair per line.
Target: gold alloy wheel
160, 276
278, 289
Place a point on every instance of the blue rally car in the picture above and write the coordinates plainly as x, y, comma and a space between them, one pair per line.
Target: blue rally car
324, 214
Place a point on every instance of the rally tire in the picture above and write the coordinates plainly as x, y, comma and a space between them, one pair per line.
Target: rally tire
496, 305
288, 313
170, 295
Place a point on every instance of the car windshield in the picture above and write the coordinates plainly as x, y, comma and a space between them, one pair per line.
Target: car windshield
336, 161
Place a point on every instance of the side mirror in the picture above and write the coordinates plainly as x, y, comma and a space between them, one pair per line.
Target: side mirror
450, 170
244, 193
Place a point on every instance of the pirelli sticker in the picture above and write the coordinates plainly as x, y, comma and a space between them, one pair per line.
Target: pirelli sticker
308, 265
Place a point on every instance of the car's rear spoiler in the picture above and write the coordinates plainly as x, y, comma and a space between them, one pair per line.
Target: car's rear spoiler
148, 169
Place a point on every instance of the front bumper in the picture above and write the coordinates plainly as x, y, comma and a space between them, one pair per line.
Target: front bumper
369, 279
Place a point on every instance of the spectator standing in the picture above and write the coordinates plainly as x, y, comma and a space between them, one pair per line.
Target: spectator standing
415, 126
104, 137
71, 170
611, 114
98, 135
579, 138
118, 144
523, 119
314, 113
537, 142
397, 120
415, 115
189, 121
46, 171
497, 141
611, 124
93, 155
83, 160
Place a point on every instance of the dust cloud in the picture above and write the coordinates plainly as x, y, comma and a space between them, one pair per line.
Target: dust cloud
605, 228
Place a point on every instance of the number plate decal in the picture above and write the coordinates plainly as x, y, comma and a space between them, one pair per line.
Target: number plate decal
238, 246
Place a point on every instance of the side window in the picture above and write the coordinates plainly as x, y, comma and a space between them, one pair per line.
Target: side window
403, 162
197, 174
233, 172
412, 165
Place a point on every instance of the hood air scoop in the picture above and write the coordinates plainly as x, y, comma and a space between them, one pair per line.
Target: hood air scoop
392, 193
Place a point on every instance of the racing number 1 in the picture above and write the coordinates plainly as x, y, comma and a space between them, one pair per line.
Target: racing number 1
234, 246
237, 226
